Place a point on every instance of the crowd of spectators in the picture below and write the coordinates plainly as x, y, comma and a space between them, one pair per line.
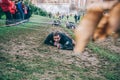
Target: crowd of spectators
15, 10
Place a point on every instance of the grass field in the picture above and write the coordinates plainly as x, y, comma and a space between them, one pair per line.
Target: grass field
23, 56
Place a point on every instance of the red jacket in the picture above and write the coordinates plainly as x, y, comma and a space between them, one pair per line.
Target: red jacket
12, 7
5, 5
8, 5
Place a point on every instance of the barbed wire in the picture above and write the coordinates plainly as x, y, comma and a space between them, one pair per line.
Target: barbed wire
23, 25
12, 22
16, 22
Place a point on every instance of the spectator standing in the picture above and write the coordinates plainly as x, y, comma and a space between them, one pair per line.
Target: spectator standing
25, 11
76, 18
8, 8
27, 16
79, 17
13, 10
50, 15
67, 17
20, 9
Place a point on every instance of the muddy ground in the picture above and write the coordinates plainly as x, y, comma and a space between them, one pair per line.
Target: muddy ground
31, 44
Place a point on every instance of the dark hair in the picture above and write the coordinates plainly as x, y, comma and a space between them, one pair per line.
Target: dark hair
20, 0
56, 33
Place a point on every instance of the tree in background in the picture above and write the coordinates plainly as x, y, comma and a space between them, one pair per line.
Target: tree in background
34, 9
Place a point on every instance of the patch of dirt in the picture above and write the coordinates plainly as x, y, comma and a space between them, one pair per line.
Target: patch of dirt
108, 44
32, 44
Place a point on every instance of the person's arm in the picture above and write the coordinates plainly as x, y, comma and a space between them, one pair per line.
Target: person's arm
48, 40
68, 45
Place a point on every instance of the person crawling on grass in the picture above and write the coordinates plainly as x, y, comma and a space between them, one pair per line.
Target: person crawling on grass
59, 40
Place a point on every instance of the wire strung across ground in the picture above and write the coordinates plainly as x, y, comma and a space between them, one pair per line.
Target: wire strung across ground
33, 22
23, 22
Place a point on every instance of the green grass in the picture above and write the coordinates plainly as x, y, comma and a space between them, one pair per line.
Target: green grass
18, 67
8, 33
110, 71
104, 53
23, 68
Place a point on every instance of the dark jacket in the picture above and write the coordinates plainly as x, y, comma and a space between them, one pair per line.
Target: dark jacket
65, 41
